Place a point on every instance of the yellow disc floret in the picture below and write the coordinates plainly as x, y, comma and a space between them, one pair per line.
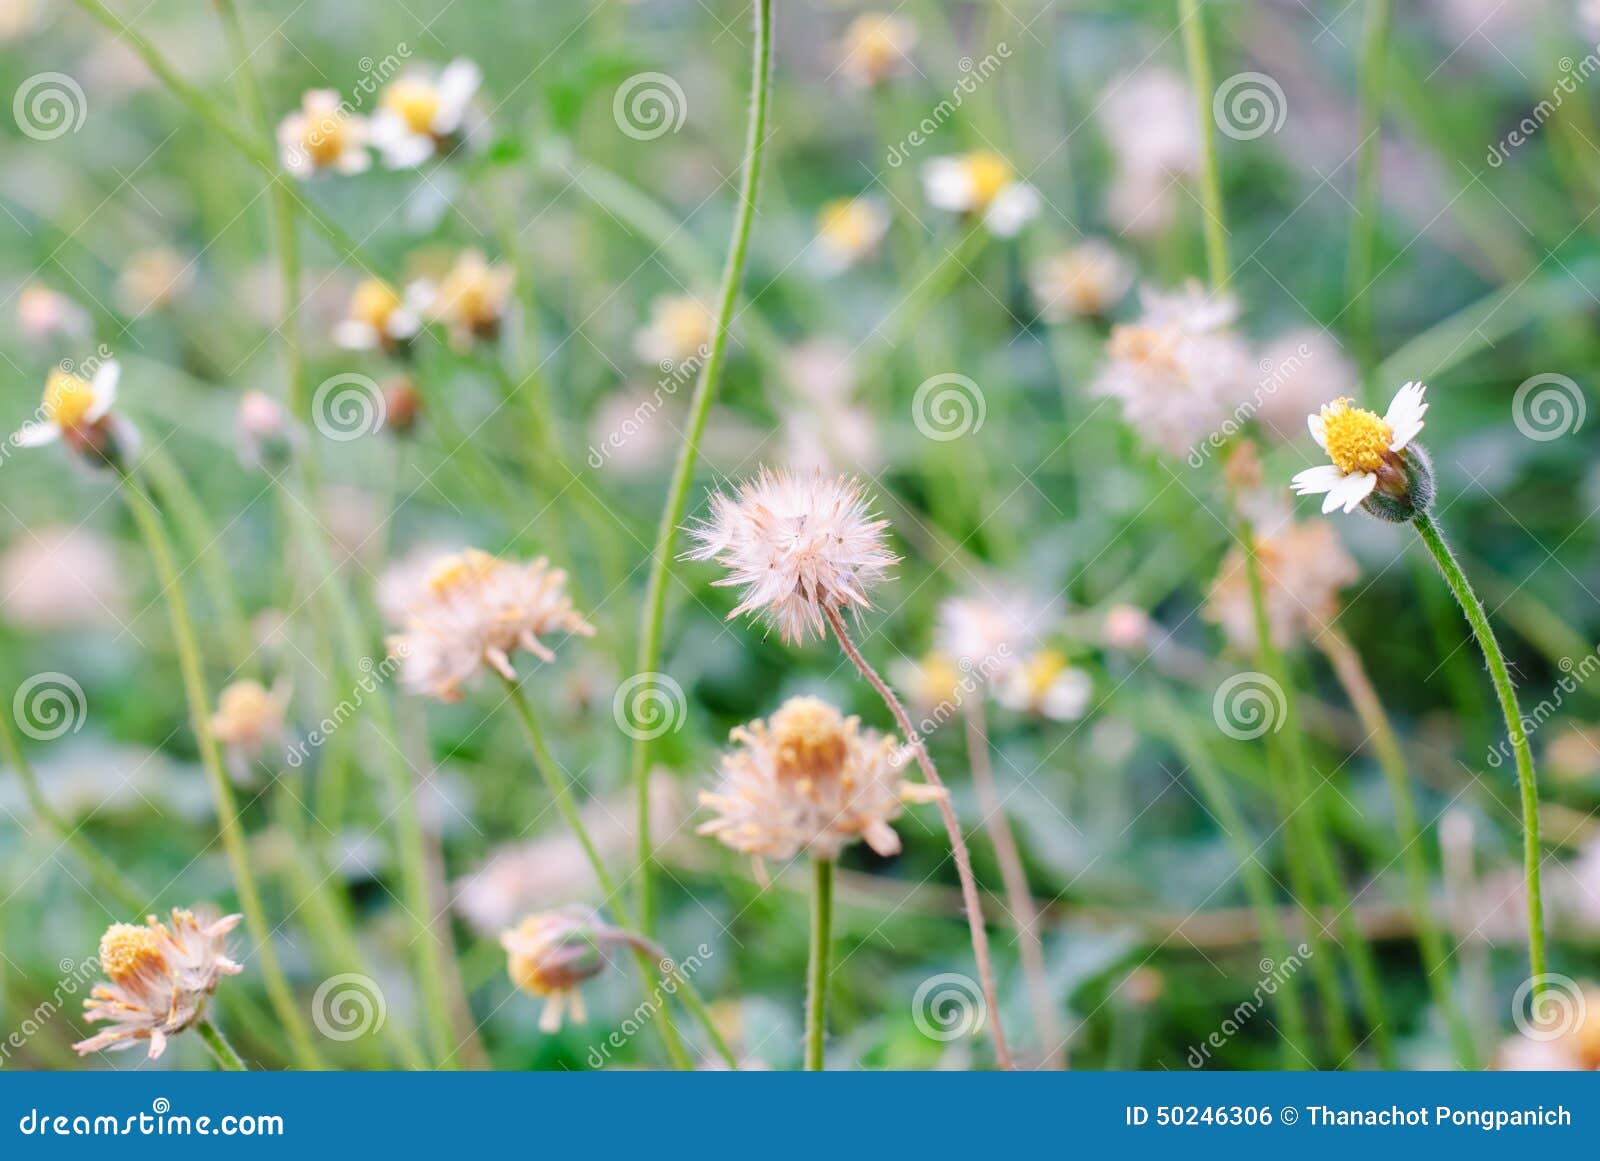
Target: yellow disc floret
1040, 672
324, 139
373, 302
1356, 438
989, 173
127, 950
415, 100
67, 400
461, 569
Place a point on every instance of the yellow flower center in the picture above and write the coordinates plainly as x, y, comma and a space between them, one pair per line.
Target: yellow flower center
938, 678
684, 323
127, 950
416, 101
1151, 349
1041, 671
472, 294
324, 139
810, 739
874, 44
989, 173
67, 400
1356, 438
848, 224
373, 302
459, 570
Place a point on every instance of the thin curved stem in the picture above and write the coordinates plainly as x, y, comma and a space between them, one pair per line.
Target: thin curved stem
1200, 79
819, 961
655, 602
227, 1059
1527, 781
228, 822
952, 826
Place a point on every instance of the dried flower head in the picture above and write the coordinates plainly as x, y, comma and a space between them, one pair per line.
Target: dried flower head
323, 135
679, 329
158, 979
796, 544
982, 184
877, 47
1303, 567
551, 953
1178, 369
1375, 464
378, 317
809, 778
475, 609
848, 230
423, 112
154, 278
471, 298
1083, 282
249, 715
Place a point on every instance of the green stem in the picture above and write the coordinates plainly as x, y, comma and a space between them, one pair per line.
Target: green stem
1364, 222
227, 1059
654, 611
232, 832
1507, 693
556, 783
818, 962
1200, 79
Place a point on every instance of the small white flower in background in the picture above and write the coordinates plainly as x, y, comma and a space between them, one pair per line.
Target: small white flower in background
58, 576
379, 318
1126, 627
876, 47
323, 135
1044, 684
810, 779
158, 979
471, 298
75, 410
1365, 448
421, 112
1149, 121
249, 716
1299, 371
679, 330
1303, 567
988, 632
1083, 282
982, 184
553, 952
265, 433
43, 314
826, 429
796, 544
153, 279
476, 610
848, 230
1178, 369
930, 681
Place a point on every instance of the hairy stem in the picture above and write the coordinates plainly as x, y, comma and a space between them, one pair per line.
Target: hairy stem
227, 1059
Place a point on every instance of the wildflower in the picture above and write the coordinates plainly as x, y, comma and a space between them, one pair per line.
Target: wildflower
421, 113
1044, 684
158, 979
248, 717
322, 135
877, 47
471, 298
1150, 123
811, 779
43, 314
60, 576
474, 610
679, 330
931, 681
848, 230
550, 953
1176, 369
79, 412
1303, 567
265, 433
1082, 282
986, 632
982, 184
797, 544
153, 279
1374, 464
377, 316
1126, 627
1299, 371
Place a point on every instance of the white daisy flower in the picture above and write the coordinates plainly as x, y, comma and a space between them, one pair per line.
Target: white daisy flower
379, 317
421, 113
75, 409
877, 47
1367, 451
983, 184
323, 135
471, 298
848, 230
679, 330
1046, 685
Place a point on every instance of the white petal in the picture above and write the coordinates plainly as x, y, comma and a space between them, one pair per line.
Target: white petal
355, 336
1012, 208
1323, 478
1354, 488
103, 390
1405, 413
457, 84
352, 161
944, 181
1318, 430
36, 434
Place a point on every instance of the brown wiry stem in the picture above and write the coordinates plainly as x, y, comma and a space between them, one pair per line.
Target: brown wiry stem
1019, 900
958, 844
